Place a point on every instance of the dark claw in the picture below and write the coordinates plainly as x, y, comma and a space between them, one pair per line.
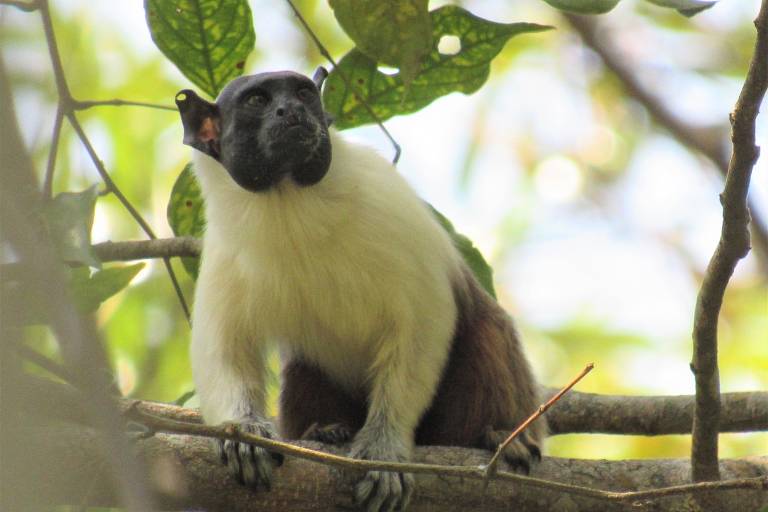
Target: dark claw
248, 464
335, 433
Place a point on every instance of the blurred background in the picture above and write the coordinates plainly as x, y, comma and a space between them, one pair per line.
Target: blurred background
597, 222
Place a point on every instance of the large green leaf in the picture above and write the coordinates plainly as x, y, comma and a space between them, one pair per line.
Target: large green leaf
440, 73
396, 33
472, 256
70, 217
90, 290
186, 212
685, 7
584, 6
208, 40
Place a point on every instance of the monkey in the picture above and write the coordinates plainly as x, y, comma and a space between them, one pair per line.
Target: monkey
318, 244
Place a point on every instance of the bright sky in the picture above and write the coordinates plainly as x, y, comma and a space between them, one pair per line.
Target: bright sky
606, 262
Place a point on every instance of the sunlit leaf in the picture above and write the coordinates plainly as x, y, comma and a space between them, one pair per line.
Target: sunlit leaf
472, 256
208, 40
90, 290
186, 212
685, 7
584, 6
396, 33
464, 70
69, 217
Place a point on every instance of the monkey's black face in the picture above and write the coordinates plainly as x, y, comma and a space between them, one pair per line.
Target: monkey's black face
263, 128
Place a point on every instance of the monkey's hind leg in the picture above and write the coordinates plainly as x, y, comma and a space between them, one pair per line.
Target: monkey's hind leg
314, 408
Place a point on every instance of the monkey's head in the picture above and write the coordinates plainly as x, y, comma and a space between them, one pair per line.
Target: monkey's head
262, 128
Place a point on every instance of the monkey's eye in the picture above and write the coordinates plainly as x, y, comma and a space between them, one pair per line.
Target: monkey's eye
258, 99
305, 94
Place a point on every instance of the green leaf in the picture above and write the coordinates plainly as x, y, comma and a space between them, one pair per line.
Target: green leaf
584, 6
472, 256
685, 7
439, 74
90, 290
69, 217
208, 40
186, 212
396, 33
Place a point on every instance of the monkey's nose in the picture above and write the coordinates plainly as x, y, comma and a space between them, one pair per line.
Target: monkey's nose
280, 111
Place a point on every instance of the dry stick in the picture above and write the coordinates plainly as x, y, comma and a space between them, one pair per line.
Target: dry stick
67, 105
184, 246
491, 469
51, 165
348, 83
233, 433
733, 245
117, 102
688, 135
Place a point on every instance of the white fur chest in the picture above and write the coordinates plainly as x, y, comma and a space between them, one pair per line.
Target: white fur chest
331, 271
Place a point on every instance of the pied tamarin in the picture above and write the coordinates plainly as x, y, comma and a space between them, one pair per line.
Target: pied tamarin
320, 245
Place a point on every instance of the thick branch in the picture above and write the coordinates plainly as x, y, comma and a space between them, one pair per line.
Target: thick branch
187, 474
733, 245
576, 412
697, 139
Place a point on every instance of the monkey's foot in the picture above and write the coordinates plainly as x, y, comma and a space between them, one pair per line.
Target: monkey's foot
250, 465
381, 491
335, 433
521, 453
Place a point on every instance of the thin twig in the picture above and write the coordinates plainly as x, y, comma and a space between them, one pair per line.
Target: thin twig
491, 469
29, 6
85, 105
51, 166
185, 246
696, 139
347, 82
233, 433
45, 363
733, 245
128, 206
67, 106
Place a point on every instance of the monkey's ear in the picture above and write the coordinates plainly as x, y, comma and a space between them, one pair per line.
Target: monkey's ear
201, 122
319, 77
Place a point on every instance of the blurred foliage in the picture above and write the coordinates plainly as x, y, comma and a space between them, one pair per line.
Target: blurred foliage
144, 330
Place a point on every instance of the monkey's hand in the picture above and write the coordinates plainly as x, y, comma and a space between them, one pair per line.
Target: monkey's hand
250, 465
381, 491
521, 453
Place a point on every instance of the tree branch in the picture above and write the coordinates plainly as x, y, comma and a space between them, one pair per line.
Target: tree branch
142, 249
693, 137
187, 474
733, 245
85, 105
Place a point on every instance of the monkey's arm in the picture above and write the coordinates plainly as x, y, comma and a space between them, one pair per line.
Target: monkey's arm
228, 368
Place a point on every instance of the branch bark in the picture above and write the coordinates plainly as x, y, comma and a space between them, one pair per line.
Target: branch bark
186, 474
733, 245
576, 412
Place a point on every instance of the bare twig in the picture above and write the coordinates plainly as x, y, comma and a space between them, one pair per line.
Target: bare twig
733, 245
695, 138
185, 246
85, 105
67, 105
491, 469
347, 82
51, 166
